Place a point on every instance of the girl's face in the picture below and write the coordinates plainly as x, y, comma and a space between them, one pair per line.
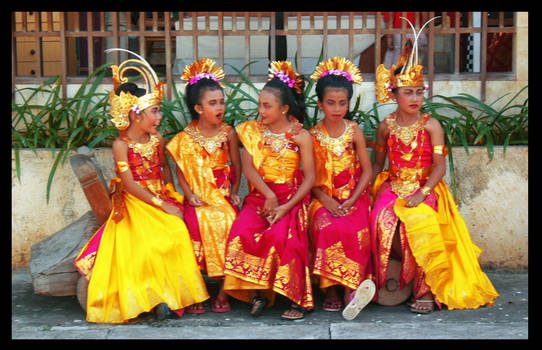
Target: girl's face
410, 99
335, 103
269, 108
212, 106
149, 119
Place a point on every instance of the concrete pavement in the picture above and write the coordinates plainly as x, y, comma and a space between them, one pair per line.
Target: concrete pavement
40, 317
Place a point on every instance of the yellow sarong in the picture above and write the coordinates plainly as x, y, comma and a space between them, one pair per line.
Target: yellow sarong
441, 245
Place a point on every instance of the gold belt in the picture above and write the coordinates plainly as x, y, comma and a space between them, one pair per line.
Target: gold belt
406, 181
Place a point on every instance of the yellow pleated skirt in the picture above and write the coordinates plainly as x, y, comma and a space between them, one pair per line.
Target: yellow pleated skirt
145, 259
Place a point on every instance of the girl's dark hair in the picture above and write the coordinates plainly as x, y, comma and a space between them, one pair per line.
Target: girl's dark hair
288, 96
334, 81
131, 88
193, 94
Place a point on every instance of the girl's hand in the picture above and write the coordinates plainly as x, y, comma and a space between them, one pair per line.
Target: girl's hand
414, 200
195, 201
277, 214
333, 207
235, 199
270, 204
172, 209
346, 206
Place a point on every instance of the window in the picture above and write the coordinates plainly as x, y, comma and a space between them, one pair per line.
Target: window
456, 46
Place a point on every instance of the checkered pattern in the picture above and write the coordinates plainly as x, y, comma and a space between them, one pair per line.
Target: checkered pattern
470, 54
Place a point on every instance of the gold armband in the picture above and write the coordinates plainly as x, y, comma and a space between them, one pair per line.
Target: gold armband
441, 149
426, 190
157, 201
122, 167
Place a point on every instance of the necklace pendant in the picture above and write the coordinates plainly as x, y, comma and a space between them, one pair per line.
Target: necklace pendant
407, 156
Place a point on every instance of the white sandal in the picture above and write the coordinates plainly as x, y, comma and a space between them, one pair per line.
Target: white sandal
362, 296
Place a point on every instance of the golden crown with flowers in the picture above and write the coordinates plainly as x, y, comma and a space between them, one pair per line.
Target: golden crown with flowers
410, 74
204, 68
339, 66
125, 102
286, 73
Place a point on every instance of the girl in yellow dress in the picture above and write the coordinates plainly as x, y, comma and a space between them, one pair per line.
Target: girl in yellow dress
142, 257
202, 152
414, 218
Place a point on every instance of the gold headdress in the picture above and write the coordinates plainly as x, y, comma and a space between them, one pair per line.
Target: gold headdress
338, 66
410, 74
286, 73
204, 68
122, 104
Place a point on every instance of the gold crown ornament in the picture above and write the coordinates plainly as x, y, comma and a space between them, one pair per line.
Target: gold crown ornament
204, 68
125, 102
410, 74
338, 66
286, 73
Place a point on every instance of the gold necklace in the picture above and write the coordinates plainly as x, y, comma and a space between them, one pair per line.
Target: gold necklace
210, 144
147, 149
405, 133
276, 141
336, 145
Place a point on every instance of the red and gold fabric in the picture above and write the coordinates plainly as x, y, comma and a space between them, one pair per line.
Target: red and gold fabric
271, 258
204, 162
437, 251
141, 256
341, 245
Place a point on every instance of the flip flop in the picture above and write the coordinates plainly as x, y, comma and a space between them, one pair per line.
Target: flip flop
220, 306
362, 296
298, 308
193, 310
332, 305
258, 310
422, 311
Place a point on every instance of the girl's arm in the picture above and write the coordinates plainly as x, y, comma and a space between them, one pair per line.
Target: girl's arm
168, 176
256, 180
304, 141
381, 149
120, 154
434, 129
366, 167
192, 198
235, 158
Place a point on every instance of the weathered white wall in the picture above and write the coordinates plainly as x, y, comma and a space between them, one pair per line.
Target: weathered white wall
492, 199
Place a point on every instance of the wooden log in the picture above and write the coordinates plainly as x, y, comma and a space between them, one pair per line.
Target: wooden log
82, 292
51, 266
93, 185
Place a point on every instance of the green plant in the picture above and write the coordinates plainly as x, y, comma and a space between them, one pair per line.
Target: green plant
67, 123
476, 123
61, 124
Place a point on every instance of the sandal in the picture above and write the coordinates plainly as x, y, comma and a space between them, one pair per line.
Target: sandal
332, 305
196, 309
418, 310
294, 307
359, 299
220, 306
258, 303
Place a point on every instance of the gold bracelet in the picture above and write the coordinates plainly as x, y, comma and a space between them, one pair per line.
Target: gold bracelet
426, 190
157, 201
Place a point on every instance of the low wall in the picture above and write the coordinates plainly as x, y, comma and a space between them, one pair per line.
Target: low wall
492, 198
